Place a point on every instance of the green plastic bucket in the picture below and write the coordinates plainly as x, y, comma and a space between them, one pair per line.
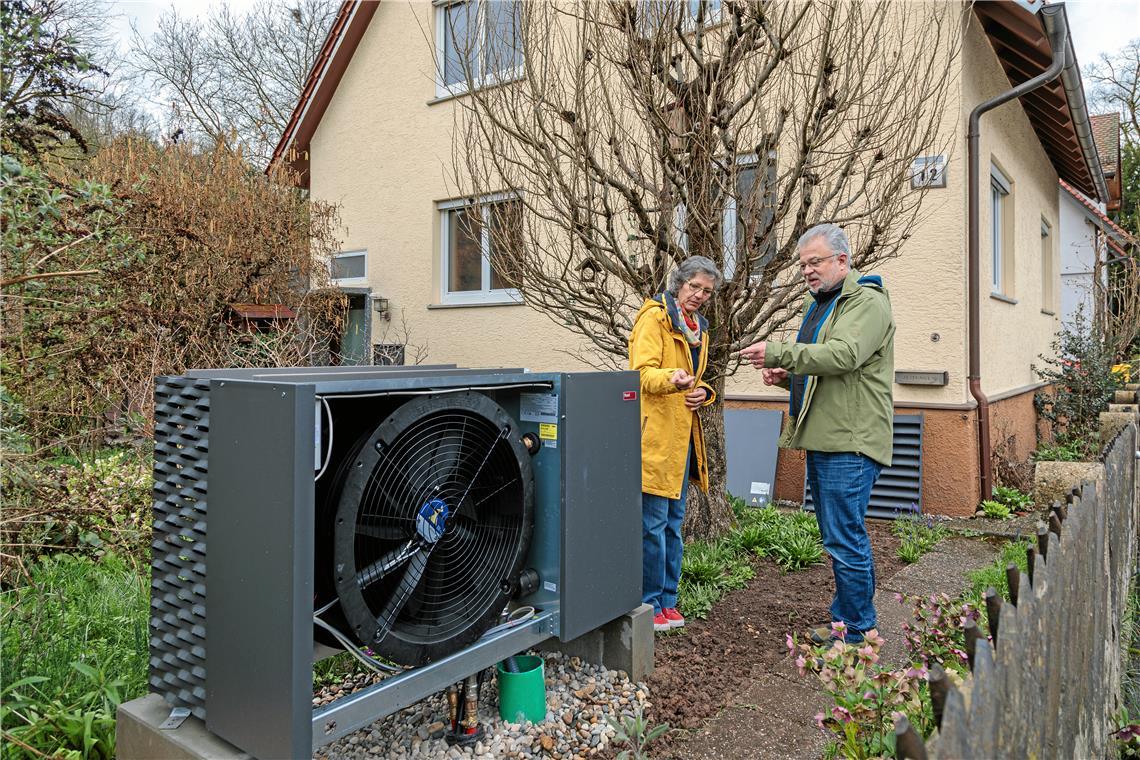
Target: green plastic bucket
522, 695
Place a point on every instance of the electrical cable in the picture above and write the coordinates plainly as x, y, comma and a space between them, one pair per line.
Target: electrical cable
513, 620
328, 451
438, 391
355, 651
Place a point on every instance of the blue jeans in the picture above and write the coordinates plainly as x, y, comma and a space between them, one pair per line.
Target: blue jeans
661, 547
841, 487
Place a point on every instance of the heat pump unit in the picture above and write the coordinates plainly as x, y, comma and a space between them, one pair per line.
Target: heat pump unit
401, 509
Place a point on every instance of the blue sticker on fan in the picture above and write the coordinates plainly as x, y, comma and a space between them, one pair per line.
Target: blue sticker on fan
431, 520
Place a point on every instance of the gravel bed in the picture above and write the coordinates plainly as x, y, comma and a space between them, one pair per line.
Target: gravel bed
579, 698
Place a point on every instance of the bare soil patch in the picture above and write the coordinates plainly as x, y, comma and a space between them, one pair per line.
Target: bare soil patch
710, 663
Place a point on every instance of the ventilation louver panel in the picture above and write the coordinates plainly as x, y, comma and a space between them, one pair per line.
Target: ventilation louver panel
898, 490
178, 542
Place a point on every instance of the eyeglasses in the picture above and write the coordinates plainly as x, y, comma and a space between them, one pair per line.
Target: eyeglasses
698, 289
814, 262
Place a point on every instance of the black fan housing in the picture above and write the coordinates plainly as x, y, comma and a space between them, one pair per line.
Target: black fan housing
434, 517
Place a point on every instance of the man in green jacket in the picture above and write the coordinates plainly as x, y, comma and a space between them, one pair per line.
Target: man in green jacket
839, 372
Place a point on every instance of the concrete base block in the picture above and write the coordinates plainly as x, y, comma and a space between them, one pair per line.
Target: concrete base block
625, 643
138, 736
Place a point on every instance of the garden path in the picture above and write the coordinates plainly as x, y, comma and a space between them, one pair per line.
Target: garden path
750, 703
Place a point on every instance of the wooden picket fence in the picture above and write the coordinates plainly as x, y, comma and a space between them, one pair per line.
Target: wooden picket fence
1049, 683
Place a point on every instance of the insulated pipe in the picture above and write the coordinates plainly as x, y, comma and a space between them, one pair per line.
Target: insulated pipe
1057, 29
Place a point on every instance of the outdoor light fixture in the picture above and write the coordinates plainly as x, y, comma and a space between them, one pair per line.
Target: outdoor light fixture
381, 306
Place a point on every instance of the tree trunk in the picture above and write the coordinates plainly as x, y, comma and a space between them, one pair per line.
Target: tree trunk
709, 515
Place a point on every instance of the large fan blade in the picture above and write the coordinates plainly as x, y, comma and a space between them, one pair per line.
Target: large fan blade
387, 563
400, 596
387, 531
432, 578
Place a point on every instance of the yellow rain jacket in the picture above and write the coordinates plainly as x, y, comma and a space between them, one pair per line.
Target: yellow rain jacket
657, 348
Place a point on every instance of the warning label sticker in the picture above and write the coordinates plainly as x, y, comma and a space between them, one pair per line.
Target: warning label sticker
548, 432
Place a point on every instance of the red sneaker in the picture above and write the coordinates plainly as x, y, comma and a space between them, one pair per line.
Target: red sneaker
660, 622
675, 618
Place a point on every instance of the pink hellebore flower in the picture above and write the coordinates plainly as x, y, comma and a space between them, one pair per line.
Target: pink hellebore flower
841, 714
819, 720
790, 642
867, 652
801, 665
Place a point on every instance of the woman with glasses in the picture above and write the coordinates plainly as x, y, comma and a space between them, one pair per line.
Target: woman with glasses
669, 346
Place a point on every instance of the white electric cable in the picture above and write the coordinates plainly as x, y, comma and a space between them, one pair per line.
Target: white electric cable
355, 651
513, 620
328, 449
437, 391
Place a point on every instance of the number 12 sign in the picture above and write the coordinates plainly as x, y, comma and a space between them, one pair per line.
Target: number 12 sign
928, 171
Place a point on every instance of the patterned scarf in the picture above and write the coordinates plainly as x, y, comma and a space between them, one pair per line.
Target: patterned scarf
691, 329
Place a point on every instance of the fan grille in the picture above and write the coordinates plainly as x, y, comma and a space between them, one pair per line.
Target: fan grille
436, 512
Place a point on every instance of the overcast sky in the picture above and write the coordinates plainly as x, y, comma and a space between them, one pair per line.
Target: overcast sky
1098, 26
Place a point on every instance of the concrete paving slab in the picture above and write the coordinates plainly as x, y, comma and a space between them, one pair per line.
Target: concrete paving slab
944, 570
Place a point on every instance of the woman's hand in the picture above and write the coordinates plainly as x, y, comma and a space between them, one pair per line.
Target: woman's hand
695, 397
773, 375
682, 379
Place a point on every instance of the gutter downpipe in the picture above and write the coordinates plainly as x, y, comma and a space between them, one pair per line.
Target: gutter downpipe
1057, 29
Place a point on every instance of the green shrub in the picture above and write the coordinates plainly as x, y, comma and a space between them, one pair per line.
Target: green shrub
36, 724
1080, 373
1013, 498
77, 610
1060, 451
1012, 552
93, 506
791, 539
996, 510
917, 536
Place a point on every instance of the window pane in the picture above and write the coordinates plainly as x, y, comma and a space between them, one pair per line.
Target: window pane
995, 234
506, 242
712, 9
464, 255
503, 51
459, 42
348, 266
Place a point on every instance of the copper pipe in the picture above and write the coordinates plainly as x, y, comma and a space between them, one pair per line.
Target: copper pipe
1057, 27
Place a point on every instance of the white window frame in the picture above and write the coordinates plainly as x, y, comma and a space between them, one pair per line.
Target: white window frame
485, 296
444, 90
729, 216
1048, 267
350, 281
689, 23
1000, 190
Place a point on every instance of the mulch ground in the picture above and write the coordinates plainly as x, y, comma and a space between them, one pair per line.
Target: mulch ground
706, 666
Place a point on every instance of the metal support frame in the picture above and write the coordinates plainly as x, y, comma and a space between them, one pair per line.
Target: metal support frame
360, 708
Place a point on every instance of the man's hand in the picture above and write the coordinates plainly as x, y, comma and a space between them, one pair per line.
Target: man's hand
755, 354
682, 379
773, 375
695, 397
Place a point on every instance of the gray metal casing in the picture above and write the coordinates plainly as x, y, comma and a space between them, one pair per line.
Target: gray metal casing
252, 600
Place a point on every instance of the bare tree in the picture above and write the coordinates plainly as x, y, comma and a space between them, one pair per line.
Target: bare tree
53, 68
630, 135
234, 78
1115, 88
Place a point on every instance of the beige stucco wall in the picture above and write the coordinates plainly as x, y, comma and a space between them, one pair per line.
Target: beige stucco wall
1013, 335
383, 151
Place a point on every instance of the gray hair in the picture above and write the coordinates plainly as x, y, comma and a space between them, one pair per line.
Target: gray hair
690, 268
832, 234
